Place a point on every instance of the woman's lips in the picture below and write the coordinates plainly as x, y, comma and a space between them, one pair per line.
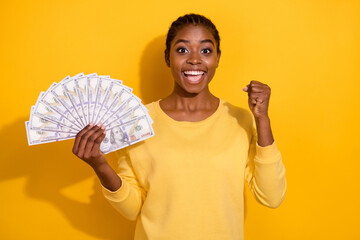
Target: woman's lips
194, 77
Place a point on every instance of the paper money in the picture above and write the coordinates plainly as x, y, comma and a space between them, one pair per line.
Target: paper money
40, 136
39, 123
68, 106
126, 134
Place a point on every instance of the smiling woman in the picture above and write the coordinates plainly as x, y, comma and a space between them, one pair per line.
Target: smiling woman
187, 182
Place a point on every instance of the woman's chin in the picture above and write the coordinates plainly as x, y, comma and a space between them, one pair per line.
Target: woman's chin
194, 88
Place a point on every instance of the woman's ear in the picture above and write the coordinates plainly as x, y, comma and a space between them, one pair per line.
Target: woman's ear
218, 58
167, 58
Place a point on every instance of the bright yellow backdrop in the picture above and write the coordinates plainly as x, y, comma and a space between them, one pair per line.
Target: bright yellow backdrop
307, 51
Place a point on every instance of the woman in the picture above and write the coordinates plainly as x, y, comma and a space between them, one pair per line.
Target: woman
187, 181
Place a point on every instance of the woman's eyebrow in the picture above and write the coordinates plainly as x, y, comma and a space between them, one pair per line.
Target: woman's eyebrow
207, 41
181, 40
187, 41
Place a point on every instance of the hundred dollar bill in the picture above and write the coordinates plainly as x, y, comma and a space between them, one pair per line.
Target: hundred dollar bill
73, 95
63, 97
121, 107
71, 91
120, 136
119, 100
64, 123
138, 129
44, 111
117, 95
132, 113
106, 98
39, 137
101, 96
119, 82
113, 92
83, 92
39, 123
54, 103
93, 88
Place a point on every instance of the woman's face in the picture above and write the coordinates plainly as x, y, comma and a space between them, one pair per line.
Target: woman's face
193, 58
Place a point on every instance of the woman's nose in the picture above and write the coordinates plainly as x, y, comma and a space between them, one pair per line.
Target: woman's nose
194, 59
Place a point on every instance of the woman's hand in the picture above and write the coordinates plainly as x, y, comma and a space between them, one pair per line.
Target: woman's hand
259, 96
87, 145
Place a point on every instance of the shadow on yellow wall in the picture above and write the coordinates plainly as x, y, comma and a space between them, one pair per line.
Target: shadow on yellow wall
156, 81
51, 167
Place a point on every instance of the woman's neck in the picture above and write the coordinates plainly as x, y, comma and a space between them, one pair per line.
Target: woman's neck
191, 107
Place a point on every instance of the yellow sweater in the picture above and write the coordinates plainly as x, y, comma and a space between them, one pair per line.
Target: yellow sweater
187, 182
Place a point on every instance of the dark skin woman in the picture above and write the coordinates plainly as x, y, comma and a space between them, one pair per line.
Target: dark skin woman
187, 182
193, 59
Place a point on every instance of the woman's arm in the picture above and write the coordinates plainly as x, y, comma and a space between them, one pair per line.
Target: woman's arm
127, 195
264, 172
259, 96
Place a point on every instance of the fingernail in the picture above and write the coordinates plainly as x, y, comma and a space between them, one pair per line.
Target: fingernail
103, 127
99, 124
91, 124
244, 89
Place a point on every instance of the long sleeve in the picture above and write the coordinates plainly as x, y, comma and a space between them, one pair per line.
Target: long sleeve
265, 173
128, 199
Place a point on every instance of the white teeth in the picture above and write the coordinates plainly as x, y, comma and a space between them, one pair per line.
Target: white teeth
194, 72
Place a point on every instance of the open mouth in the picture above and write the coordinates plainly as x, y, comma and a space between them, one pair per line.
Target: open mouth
194, 77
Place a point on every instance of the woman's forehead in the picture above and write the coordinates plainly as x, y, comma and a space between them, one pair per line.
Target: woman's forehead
196, 33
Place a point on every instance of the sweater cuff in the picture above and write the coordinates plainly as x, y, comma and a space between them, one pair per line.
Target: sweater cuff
118, 195
267, 154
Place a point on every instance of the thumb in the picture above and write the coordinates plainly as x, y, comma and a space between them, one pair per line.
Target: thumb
245, 89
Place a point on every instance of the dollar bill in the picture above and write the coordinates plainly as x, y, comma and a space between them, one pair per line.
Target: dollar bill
39, 123
81, 87
47, 112
119, 82
106, 98
101, 97
41, 136
51, 100
94, 87
71, 91
63, 96
120, 136
124, 102
132, 113
117, 95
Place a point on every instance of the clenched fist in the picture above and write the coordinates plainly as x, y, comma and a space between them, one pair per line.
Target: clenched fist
259, 96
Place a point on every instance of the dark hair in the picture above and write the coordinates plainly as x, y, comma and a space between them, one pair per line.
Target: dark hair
185, 20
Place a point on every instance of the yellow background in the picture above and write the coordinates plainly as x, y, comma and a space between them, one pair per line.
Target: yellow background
306, 50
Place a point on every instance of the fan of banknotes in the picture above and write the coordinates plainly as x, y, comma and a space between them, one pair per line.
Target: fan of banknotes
70, 105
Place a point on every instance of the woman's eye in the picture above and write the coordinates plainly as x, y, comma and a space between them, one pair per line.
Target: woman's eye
181, 50
206, 51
